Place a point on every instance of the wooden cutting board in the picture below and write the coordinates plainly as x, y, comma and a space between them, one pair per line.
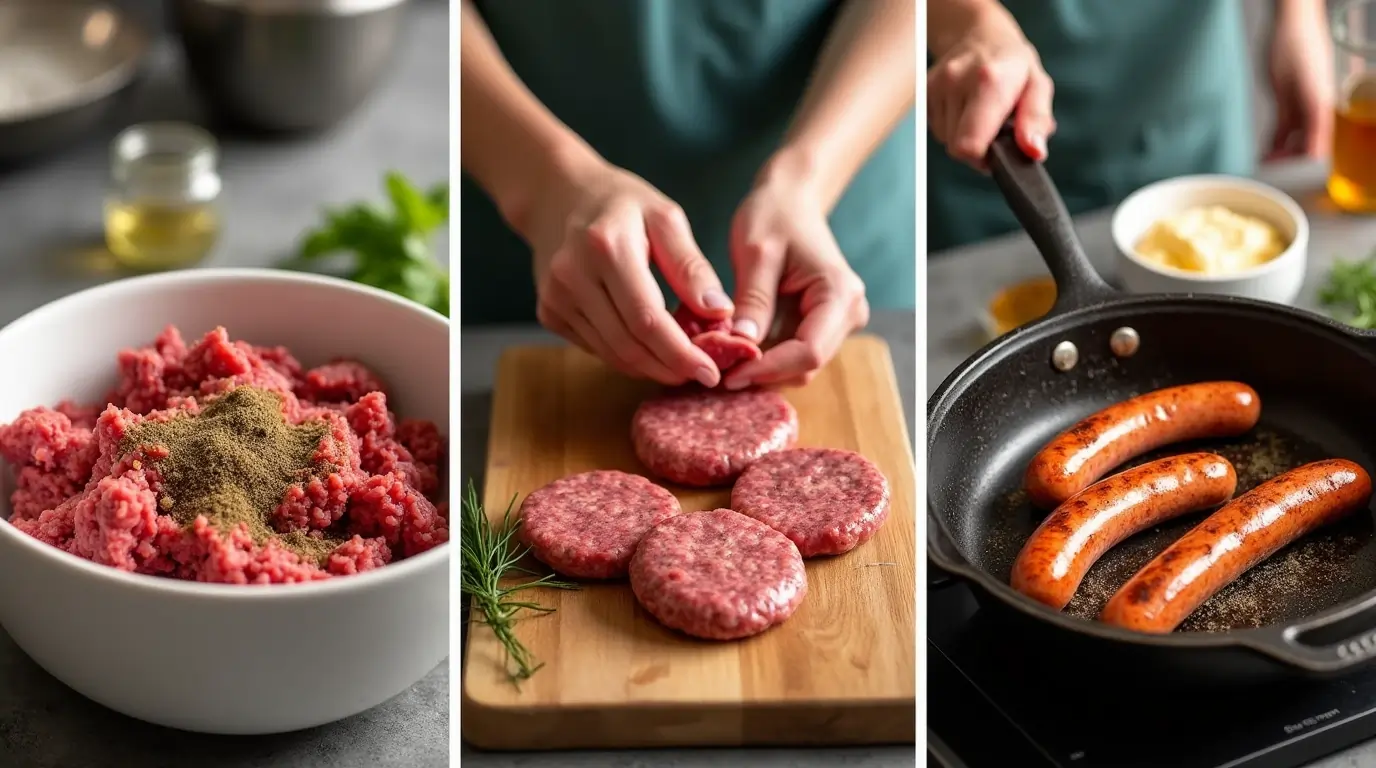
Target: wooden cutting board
840, 671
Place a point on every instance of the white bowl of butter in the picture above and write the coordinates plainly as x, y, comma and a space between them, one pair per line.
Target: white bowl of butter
1212, 234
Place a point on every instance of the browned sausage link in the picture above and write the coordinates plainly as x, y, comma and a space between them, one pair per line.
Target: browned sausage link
1087, 451
1244, 532
1060, 552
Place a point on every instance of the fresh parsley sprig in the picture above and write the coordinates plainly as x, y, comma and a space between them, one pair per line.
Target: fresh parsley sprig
489, 557
390, 249
1350, 294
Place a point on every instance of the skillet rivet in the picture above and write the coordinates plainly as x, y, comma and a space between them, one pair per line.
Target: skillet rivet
1124, 342
1065, 356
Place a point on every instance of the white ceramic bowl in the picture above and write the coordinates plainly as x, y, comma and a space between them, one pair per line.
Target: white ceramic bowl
1278, 280
218, 658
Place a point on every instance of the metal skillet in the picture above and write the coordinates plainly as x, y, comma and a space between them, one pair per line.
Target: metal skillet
1308, 611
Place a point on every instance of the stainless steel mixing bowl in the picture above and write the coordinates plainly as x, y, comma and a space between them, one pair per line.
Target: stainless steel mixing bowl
287, 65
63, 65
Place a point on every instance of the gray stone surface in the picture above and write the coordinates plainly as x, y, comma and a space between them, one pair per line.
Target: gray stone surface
960, 283
479, 353
50, 224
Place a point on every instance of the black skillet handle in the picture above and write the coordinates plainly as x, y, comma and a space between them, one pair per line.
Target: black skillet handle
1339, 640
1037, 204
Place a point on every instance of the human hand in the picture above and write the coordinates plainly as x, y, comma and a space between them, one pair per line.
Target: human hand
593, 233
782, 248
1301, 71
987, 74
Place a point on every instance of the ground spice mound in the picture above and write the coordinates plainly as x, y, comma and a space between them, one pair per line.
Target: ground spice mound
233, 462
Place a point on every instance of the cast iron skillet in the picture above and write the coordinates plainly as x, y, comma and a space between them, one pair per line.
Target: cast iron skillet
1308, 611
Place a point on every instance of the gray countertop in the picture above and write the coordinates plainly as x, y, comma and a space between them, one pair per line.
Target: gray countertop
961, 281
479, 352
50, 220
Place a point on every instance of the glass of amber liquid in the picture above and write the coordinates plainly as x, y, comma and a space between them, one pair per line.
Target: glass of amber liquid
1352, 181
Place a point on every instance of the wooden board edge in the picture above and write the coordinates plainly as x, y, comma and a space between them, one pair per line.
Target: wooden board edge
486, 707
801, 724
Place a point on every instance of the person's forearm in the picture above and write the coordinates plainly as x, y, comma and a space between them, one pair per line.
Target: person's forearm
510, 143
950, 20
863, 83
1296, 11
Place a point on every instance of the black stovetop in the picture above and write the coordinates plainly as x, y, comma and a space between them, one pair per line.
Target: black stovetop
988, 708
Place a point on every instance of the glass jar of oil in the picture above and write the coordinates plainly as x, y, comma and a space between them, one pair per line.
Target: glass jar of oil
161, 212
1352, 180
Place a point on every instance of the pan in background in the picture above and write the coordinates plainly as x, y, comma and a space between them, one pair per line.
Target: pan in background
1310, 610
63, 64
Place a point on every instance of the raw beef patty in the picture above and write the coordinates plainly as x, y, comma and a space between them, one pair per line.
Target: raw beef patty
587, 525
826, 501
705, 438
718, 575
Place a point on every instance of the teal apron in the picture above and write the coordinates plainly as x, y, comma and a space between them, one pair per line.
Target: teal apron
693, 97
1145, 90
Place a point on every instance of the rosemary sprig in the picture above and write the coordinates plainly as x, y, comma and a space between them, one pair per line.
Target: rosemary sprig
489, 557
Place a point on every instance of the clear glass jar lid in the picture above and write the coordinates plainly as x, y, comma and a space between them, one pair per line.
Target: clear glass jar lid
166, 161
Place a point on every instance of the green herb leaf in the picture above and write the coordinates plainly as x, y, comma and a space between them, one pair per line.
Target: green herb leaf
488, 557
1350, 293
414, 209
389, 249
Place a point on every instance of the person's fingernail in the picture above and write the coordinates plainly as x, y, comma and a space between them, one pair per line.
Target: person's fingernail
716, 300
746, 327
1039, 144
737, 383
705, 377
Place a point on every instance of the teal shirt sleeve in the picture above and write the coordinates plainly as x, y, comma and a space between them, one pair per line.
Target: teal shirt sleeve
1145, 90
694, 97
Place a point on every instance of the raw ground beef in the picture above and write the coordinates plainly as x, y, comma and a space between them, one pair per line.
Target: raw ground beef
718, 575
705, 438
587, 525
825, 501
716, 337
80, 493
